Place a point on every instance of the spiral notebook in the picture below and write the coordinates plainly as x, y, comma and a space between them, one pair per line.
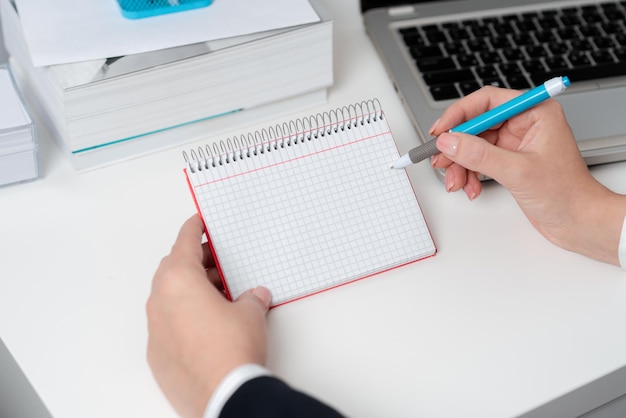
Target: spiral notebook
308, 205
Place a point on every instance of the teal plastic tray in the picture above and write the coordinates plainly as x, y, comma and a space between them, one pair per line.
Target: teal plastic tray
137, 9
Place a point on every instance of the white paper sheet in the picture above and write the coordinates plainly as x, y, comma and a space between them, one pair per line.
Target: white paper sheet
65, 31
13, 113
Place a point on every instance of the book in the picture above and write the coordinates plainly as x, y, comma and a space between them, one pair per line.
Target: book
103, 111
56, 36
18, 142
307, 205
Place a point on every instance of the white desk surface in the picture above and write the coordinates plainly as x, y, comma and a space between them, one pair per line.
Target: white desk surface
499, 322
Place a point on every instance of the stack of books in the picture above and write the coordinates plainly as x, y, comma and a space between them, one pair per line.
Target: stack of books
132, 105
18, 143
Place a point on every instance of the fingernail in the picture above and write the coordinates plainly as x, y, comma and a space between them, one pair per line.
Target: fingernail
470, 192
449, 183
434, 159
432, 128
448, 144
264, 294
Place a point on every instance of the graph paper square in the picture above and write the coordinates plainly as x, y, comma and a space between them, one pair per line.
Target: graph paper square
313, 215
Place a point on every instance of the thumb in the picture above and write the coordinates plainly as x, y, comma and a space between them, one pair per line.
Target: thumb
259, 296
477, 155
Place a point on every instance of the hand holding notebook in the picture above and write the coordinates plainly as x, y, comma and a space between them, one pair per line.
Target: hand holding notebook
308, 205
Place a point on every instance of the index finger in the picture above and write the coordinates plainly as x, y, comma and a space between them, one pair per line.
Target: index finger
472, 105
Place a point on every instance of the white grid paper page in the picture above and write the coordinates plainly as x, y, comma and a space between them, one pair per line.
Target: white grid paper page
313, 215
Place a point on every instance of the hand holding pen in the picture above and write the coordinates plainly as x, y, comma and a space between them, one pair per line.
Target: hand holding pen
536, 158
489, 119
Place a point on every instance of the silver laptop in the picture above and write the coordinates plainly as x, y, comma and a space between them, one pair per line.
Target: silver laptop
437, 51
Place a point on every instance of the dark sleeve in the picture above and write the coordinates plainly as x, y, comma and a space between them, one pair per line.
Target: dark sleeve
267, 396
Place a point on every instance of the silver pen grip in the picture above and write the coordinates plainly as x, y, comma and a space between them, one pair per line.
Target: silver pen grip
424, 151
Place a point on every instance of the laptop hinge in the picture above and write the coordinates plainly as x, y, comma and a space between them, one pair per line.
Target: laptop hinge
400, 10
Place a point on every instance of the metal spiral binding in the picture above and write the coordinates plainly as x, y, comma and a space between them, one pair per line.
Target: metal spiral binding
283, 135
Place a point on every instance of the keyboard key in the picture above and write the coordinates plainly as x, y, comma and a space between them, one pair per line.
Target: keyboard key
512, 54
533, 66
547, 21
579, 59
505, 28
510, 68
466, 61
500, 42
444, 92
413, 39
567, 33
602, 42
522, 39
620, 54
481, 31
435, 37
418, 52
584, 73
590, 31
468, 87
536, 51
486, 72
435, 63
556, 63
496, 82
612, 27
407, 30
592, 17
458, 34
477, 45
445, 77
453, 48
570, 20
430, 28
558, 48
580, 45
471, 22
451, 25
545, 36
525, 27
517, 81
614, 15
602, 56
489, 57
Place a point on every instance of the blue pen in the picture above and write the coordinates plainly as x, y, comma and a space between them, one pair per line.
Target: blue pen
489, 119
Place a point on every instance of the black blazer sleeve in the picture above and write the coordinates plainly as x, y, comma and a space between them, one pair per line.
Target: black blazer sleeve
267, 396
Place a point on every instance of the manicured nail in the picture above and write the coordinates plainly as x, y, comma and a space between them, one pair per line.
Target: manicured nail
449, 183
432, 128
448, 143
434, 159
470, 192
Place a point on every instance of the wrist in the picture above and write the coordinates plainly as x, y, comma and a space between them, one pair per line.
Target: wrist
598, 228
229, 385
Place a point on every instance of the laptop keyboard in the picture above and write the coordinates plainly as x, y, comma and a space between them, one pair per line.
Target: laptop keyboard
520, 51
